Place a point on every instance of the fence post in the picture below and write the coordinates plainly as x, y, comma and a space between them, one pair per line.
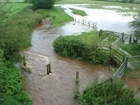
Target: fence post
126, 61
123, 36
135, 39
130, 38
123, 58
48, 66
24, 61
100, 32
77, 77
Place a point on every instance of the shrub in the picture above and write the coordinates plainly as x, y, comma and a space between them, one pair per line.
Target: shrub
16, 36
43, 4
108, 93
72, 47
11, 85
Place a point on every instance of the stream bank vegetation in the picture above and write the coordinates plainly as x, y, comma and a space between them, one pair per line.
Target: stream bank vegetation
112, 92
16, 25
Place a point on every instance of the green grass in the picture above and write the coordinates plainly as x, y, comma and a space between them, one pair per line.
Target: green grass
12, 9
57, 16
132, 48
78, 12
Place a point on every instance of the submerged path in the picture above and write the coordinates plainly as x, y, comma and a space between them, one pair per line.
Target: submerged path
58, 87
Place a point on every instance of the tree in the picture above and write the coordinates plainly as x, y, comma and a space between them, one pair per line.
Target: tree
42, 4
135, 24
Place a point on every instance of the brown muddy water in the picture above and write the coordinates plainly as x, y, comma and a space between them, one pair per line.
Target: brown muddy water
58, 87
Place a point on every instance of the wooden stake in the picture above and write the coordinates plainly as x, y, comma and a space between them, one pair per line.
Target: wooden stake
48, 66
24, 61
77, 77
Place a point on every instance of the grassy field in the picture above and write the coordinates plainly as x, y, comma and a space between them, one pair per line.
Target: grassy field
13, 8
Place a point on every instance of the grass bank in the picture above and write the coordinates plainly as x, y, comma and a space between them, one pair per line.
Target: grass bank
56, 15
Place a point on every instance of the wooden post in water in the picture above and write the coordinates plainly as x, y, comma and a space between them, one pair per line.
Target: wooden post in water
48, 66
24, 61
77, 77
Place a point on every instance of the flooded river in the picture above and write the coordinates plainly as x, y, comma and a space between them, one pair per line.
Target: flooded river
105, 19
58, 87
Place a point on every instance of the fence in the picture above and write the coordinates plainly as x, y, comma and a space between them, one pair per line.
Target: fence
119, 73
119, 58
115, 55
126, 38
87, 23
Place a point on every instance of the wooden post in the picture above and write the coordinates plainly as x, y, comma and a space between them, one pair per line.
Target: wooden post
130, 38
77, 77
123, 58
123, 36
126, 61
48, 66
24, 61
100, 32
135, 39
